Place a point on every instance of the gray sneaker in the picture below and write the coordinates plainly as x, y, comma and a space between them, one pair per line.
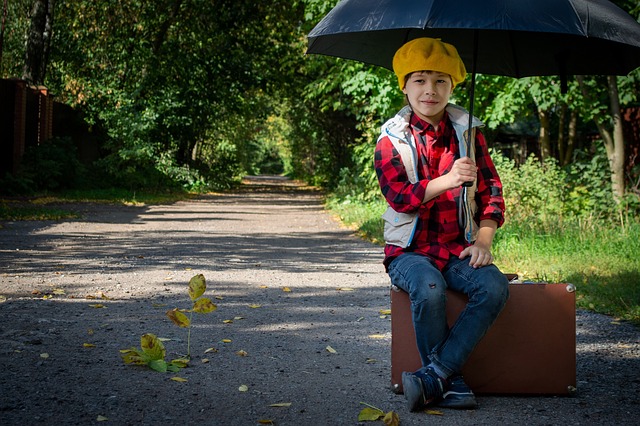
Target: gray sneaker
422, 388
458, 395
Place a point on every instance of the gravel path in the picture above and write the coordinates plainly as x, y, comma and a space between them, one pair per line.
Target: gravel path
294, 285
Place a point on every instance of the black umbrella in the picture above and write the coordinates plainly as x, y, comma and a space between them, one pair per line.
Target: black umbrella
514, 38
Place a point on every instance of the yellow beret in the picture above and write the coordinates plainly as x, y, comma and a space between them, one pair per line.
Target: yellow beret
428, 54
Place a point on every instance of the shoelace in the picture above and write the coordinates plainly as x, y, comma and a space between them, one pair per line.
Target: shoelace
431, 385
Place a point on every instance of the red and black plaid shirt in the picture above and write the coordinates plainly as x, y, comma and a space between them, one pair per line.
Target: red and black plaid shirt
438, 234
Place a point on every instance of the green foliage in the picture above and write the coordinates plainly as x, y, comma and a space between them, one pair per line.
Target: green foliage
534, 193
163, 78
52, 165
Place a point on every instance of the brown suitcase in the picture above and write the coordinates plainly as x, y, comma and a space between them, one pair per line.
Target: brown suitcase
530, 349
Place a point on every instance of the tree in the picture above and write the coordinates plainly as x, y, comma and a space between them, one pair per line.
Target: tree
38, 42
613, 139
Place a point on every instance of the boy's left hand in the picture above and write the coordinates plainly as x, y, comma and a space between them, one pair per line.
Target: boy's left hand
480, 256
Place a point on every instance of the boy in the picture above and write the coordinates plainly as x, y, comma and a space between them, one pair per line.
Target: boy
426, 250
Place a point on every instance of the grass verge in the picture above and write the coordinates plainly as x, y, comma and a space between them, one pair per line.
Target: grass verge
52, 207
602, 261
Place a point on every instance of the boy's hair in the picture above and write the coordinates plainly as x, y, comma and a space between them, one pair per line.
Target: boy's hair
428, 54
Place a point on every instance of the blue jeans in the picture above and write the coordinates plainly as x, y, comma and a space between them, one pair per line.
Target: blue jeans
486, 287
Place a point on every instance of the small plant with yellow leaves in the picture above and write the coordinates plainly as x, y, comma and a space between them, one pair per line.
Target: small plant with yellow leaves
201, 305
152, 351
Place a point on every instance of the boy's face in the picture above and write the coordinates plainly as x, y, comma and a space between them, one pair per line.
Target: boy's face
428, 94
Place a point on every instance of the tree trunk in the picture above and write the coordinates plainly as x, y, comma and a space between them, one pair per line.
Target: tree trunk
571, 138
617, 159
614, 144
561, 139
38, 42
545, 139
4, 19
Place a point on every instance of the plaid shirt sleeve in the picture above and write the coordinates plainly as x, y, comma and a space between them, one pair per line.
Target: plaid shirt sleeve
402, 195
489, 196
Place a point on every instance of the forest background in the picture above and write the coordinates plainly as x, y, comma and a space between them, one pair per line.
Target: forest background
189, 96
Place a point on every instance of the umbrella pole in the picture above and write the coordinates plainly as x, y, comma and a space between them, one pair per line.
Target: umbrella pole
468, 141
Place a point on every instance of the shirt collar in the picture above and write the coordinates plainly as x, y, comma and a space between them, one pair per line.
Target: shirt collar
422, 127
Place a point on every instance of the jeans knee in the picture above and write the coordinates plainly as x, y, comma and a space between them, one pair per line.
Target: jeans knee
428, 299
496, 291
428, 293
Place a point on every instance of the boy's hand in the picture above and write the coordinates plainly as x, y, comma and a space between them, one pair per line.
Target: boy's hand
463, 170
480, 255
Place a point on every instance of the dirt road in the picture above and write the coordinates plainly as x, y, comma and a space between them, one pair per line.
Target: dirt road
297, 339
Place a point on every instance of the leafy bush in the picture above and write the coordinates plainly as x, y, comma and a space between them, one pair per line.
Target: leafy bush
534, 192
52, 165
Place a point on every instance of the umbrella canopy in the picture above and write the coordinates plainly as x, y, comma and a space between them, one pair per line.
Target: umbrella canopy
514, 38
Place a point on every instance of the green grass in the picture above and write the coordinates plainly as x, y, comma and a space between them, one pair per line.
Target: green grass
51, 207
123, 196
603, 262
12, 211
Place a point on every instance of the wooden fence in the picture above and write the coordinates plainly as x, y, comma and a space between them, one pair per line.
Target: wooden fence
26, 119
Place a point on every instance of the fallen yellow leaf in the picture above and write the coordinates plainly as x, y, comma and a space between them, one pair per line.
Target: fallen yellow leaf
255, 306
204, 360
227, 322
179, 379
391, 419
226, 340
210, 350
88, 345
101, 419
331, 350
345, 289
434, 412
180, 362
377, 336
97, 306
286, 289
44, 355
243, 388
281, 404
385, 311
370, 414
